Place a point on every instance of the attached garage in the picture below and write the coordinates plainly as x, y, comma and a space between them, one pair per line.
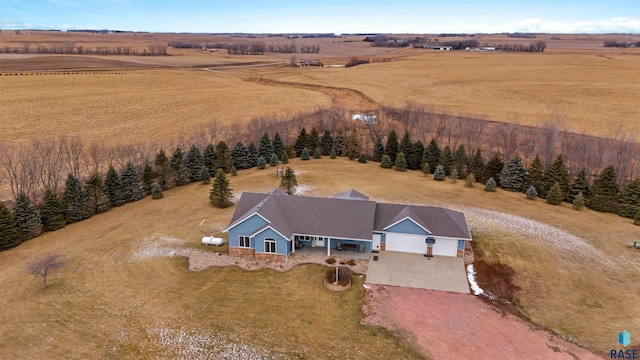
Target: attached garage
406, 243
445, 247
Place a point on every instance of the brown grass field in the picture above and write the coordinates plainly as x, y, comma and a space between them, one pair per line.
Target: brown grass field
109, 302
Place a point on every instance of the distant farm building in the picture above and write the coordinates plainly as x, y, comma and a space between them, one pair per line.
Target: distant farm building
365, 119
306, 62
439, 47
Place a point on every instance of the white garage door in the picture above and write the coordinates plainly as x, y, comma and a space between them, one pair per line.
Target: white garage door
445, 247
406, 243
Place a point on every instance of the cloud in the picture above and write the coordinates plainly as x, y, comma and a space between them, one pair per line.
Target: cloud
611, 25
62, 2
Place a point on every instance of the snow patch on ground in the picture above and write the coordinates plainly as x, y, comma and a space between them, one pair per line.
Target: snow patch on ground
157, 247
302, 189
471, 276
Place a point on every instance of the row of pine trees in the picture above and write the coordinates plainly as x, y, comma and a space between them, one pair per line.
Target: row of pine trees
80, 201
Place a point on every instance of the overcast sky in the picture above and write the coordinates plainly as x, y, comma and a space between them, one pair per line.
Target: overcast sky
328, 16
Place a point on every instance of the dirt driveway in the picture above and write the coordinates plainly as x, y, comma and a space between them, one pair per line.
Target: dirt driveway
446, 325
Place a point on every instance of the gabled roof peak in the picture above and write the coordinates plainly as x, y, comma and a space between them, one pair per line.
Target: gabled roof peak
351, 194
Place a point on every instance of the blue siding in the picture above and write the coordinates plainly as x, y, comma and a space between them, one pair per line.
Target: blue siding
407, 226
246, 228
282, 245
460, 244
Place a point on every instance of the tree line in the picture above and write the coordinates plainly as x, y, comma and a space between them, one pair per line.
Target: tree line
70, 47
620, 44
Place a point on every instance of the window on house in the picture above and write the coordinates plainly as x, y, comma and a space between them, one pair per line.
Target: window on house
460, 244
244, 241
270, 245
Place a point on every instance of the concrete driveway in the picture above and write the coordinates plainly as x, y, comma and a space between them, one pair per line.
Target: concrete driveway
415, 271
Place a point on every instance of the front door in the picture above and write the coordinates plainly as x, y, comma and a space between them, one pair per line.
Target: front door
319, 241
375, 246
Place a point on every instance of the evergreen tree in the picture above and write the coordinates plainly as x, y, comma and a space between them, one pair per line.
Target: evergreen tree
470, 180
414, 158
274, 160
378, 150
461, 161
340, 144
233, 171
426, 170
490, 185
493, 169
195, 161
636, 219
225, 161
513, 174
557, 173
391, 149
432, 155
554, 196
9, 230
362, 158
535, 177
285, 158
291, 151
97, 192
181, 173
401, 162
476, 167
253, 155
386, 162
326, 143
579, 185
163, 170
405, 144
205, 175
305, 154
210, 158
262, 163
75, 201
27, 217
454, 174
353, 145
301, 142
221, 195
131, 189
52, 212
240, 155
113, 186
265, 147
333, 154
604, 192
446, 159
532, 193
317, 153
578, 202
629, 203
278, 147
148, 179
156, 192
289, 183
439, 174
314, 140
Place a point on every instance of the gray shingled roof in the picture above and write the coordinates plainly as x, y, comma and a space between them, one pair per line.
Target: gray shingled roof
439, 221
343, 217
351, 194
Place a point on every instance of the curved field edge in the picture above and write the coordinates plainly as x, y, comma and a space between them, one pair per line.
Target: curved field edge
106, 302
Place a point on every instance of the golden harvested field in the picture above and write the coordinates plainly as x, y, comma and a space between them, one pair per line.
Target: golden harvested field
594, 92
120, 296
154, 104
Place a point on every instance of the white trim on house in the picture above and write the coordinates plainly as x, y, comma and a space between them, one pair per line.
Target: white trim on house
248, 238
413, 221
333, 237
275, 246
243, 220
269, 227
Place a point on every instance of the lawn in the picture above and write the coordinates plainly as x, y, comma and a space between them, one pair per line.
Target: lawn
111, 301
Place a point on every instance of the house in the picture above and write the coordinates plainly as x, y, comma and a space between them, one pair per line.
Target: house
272, 225
439, 47
365, 119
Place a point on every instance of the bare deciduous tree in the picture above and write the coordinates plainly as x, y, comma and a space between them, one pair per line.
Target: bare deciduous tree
43, 266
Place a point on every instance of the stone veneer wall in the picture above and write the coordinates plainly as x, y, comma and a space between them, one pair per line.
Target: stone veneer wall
269, 257
242, 252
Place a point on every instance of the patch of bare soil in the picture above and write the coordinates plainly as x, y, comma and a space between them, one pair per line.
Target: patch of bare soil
446, 325
497, 281
65, 63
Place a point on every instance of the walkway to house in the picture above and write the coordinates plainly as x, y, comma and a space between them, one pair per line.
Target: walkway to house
322, 251
415, 271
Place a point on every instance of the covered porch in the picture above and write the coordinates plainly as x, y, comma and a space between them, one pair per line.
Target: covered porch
324, 252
